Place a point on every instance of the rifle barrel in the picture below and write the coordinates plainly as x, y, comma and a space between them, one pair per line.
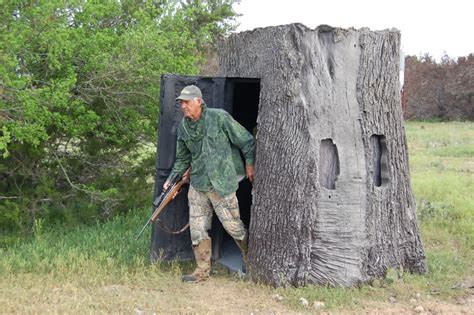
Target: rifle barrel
143, 229
175, 182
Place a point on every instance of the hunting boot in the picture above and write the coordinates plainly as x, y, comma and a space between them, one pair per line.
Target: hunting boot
202, 253
244, 248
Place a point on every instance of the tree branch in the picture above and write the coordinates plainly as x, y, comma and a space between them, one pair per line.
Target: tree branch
8, 197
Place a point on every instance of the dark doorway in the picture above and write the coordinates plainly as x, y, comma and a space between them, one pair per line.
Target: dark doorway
240, 97
243, 95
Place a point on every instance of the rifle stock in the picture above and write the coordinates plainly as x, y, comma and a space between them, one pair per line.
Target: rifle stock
162, 201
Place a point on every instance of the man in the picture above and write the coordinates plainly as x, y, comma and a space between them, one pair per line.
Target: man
209, 140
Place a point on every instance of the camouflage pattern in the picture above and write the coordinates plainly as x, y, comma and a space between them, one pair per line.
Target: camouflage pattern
201, 205
211, 146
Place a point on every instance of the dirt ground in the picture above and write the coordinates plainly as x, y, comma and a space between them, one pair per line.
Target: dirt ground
168, 295
426, 306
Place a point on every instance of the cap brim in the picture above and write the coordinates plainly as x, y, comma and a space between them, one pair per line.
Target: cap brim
184, 98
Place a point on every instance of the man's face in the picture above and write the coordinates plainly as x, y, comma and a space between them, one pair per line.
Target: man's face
191, 108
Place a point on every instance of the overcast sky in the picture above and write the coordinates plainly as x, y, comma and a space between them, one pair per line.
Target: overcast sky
432, 26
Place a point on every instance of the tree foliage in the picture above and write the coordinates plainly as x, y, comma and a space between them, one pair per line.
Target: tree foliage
79, 99
438, 90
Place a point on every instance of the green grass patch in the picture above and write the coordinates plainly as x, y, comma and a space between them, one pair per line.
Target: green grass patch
109, 246
442, 170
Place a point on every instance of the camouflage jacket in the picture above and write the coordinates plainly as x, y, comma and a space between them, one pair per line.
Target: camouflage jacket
211, 146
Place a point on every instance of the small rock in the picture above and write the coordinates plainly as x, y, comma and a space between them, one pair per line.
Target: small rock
466, 284
418, 295
461, 301
470, 300
318, 305
277, 297
428, 296
413, 301
419, 309
303, 301
392, 299
139, 311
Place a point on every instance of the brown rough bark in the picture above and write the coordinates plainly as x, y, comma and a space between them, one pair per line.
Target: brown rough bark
332, 202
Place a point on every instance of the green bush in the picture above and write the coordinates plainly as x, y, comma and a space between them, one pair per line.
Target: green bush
79, 98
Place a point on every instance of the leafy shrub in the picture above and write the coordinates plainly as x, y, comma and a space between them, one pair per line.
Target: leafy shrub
80, 96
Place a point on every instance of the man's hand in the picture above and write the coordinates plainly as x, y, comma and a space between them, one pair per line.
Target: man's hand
166, 185
249, 171
186, 178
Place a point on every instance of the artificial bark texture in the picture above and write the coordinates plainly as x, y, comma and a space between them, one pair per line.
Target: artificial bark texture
332, 202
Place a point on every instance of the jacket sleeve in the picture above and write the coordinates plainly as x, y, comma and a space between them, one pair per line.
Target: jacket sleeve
241, 138
183, 158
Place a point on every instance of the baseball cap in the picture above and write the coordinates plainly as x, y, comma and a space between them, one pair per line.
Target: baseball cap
189, 92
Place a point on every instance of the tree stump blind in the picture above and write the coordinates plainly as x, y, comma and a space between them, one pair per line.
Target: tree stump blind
332, 201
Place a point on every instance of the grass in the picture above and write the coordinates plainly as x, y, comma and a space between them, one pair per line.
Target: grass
102, 269
442, 169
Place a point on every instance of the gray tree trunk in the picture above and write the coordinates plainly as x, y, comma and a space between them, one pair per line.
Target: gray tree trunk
332, 201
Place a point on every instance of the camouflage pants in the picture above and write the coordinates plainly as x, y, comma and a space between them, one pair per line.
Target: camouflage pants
201, 205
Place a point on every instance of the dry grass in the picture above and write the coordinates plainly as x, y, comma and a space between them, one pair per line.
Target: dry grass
149, 291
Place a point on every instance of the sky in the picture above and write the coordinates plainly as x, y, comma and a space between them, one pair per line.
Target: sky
435, 27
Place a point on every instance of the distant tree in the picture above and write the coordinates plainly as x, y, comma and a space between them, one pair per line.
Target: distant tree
427, 58
79, 94
446, 60
441, 90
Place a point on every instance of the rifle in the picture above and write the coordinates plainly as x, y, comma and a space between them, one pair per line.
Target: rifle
166, 196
